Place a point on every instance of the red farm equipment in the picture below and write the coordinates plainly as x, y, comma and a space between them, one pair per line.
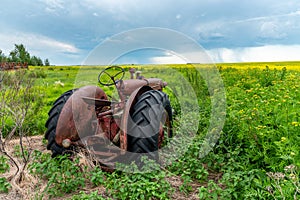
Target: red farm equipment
4, 66
113, 130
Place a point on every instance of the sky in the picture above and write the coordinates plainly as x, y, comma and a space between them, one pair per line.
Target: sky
66, 31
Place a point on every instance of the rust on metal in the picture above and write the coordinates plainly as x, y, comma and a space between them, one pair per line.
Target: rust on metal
128, 86
13, 65
75, 120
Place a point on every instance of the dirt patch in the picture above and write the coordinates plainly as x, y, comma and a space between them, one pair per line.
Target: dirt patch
33, 143
176, 182
21, 188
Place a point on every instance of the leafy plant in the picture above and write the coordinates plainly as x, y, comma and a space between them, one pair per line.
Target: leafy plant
139, 184
212, 191
4, 167
4, 185
284, 185
87, 196
97, 176
63, 175
18, 152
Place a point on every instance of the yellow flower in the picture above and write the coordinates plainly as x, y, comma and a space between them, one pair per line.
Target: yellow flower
283, 139
295, 123
260, 127
293, 176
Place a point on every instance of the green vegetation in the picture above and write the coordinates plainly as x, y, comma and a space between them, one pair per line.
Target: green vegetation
4, 167
256, 157
21, 55
21, 101
63, 175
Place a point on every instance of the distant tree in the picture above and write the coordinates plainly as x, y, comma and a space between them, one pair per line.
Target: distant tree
19, 54
36, 61
2, 56
40, 62
33, 61
46, 62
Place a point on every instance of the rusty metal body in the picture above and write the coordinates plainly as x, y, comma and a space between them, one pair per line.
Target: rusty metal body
90, 120
12, 66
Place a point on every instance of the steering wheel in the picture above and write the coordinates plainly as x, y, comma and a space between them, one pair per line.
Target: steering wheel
111, 75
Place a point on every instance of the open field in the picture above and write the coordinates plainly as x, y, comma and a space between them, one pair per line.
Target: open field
256, 156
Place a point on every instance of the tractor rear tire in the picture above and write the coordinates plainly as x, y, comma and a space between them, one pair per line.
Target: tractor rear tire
145, 123
52, 123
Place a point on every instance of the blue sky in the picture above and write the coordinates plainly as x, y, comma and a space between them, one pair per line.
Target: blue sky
229, 30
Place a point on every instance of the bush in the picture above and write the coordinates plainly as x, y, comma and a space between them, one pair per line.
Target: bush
139, 184
63, 175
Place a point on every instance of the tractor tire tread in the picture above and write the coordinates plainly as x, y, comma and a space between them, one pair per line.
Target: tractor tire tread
141, 137
51, 123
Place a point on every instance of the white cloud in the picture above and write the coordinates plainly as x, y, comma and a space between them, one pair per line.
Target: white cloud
53, 5
44, 47
271, 30
256, 54
211, 23
168, 59
117, 7
35, 42
270, 17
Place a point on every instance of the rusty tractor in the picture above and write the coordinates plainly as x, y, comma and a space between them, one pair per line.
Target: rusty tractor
121, 129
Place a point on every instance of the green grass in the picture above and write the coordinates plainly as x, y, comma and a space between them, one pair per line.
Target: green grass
257, 155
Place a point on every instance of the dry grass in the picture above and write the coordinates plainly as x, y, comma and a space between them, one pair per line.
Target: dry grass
23, 187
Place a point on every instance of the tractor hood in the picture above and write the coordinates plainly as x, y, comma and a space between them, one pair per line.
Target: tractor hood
128, 86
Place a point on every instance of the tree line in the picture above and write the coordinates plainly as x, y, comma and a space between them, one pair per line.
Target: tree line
20, 55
